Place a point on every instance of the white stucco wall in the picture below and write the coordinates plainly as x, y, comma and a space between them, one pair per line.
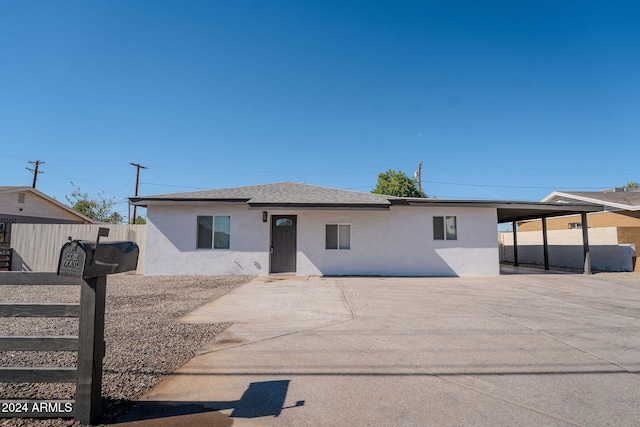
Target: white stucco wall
398, 242
171, 242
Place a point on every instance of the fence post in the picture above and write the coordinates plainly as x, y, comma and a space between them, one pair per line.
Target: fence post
90, 350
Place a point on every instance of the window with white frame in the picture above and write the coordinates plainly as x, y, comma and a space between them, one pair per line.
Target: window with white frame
337, 236
575, 225
214, 232
445, 228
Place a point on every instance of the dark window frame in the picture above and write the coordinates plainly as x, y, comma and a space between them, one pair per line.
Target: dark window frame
440, 231
213, 232
332, 239
204, 233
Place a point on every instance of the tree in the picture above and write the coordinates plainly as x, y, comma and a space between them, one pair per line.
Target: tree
397, 183
140, 220
100, 208
633, 184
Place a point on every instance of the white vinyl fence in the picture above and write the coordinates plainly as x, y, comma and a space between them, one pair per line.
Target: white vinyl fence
36, 247
566, 250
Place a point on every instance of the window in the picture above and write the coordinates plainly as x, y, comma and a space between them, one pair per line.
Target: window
284, 222
222, 232
21, 197
575, 225
338, 236
2, 231
205, 227
445, 228
214, 232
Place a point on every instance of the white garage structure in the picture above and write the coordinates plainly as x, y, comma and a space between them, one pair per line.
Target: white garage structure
309, 230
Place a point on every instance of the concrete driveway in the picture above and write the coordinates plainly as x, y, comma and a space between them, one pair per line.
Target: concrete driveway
538, 349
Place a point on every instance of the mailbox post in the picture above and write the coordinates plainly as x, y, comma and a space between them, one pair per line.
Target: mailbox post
92, 261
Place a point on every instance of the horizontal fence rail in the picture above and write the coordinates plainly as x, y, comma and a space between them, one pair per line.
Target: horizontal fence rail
36, 279
39, 375
39, 310
33, 343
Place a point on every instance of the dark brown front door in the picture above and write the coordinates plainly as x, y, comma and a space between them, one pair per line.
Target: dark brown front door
283, 243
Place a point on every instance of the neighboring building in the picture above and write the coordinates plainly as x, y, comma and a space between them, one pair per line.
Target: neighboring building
621, 210
309, 230
28, 205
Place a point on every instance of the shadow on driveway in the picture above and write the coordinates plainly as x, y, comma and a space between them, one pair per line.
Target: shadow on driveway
261, 399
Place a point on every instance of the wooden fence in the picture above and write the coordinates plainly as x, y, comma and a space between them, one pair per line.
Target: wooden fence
36, 246
89, 344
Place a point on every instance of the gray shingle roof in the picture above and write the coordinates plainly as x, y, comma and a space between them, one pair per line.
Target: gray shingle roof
288, 194
284, 193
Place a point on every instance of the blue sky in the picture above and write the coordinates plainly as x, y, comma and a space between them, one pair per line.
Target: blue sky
499, 100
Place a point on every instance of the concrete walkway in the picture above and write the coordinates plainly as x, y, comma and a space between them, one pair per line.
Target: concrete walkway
547, 349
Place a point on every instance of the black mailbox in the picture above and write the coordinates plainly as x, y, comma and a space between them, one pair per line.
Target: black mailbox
85, 258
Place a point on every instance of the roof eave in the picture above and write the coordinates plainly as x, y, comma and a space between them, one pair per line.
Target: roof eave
145, 201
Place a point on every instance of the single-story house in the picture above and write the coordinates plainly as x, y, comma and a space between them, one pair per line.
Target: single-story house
621, 211
309, 230
27, 205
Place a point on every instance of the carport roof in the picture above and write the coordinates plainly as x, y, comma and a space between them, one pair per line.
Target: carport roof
293, 195
625, 199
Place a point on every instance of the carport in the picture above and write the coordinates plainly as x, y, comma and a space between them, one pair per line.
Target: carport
512, 212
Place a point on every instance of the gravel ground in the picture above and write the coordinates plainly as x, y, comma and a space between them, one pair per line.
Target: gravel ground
143, 340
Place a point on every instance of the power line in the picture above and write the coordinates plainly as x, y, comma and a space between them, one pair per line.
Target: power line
176, 186
506, 186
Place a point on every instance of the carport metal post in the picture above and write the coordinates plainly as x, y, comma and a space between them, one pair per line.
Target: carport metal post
545, 243
585, 243
514, 225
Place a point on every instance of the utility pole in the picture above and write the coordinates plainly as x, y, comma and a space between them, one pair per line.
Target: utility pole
420, 175
138, 167
35, 171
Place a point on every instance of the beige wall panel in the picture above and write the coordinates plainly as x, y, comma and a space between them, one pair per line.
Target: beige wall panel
631, 235
33, 206
37, 246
